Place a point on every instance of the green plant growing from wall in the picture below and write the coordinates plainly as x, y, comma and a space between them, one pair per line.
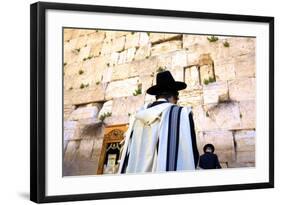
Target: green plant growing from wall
105, 115
137, 91
82, 86
71, 88
81, 72
64, 64
161, 69
98, 82
226, 44
87, 58
77, 50
207, 114
210, 80
241, 115
212, 39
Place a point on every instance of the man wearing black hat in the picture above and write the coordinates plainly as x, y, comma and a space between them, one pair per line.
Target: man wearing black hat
161, 136
209, 160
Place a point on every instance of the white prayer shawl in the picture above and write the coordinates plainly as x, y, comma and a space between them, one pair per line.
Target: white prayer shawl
145, 129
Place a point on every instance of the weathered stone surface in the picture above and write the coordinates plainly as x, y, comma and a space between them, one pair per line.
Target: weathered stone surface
242, 89
124, 71
190, 98
84, 113
116, 120
221, 116
215, 92
127, 105
106, 108
147, 66
84, 53
122, 57
130, 54
81, 96
245, 140
166, 47
81, 42
67, 110
96, 49
156, 37
248, 114
224, 71
107, 75
144, 39
71, 150
132, 40
245, 157
95, 38
245, 65
179, 58
118, 44
146, 82
143, 52
192, 78
191, 40
221, 139
70, 56
121, 88
85, 148
235, 164
70, 130
207, 74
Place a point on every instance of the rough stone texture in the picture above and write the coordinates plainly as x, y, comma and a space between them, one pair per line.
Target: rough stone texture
108, 67
248, 114
242, 89
121, 88
127, 105
245, 141
86, 95
166, 47
215, 92
84, 113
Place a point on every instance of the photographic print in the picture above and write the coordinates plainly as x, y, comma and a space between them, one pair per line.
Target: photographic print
141, 101
130, 102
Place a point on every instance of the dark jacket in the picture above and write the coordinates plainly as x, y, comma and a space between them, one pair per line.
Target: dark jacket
209, 161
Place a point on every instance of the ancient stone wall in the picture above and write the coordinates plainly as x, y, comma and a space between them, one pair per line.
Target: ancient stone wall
107, 73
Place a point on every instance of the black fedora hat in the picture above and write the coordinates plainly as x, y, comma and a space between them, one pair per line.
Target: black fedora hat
209, 146
165, 83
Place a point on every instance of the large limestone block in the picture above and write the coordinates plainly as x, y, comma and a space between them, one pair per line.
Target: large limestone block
146, 82
94, 69
156, 37
84, 113
106, 108
147, 66
95, 38
67, 110
121, 88
245, 156
107, 74
221, 116
235, 164
190, 98
84, 53
245, 65
81, 42
245, 140
124, 71
127, 105
67, 34
132, 40
166, 47
191, 40
192, 78
96, 49
224, 70
177, 72
71, 130
248, 114
143, 52
226, 115
215, 92
85, 148
207, 74
72, 69
71, 150
242, 89
116, 120
70, 56
221, 139
94, 93
144, 39
179, 58
118, 44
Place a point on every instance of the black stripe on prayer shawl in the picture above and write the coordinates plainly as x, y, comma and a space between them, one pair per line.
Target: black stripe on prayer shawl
125, 163
173, 138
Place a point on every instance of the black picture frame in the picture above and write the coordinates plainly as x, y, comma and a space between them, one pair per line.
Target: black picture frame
38, 100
